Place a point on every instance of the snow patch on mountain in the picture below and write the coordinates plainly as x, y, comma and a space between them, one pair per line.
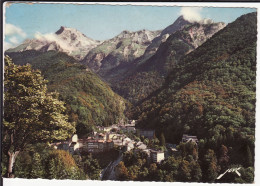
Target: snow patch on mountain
68, 40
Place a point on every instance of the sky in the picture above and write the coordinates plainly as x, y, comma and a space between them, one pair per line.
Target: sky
101, 22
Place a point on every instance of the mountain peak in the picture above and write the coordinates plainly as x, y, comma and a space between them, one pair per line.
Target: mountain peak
178, 24
62, 28
124, 32
180, 18
68, 40
65, 30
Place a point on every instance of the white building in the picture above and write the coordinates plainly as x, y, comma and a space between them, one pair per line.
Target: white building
157, 156
72, 145
74, 138
129, 146
126, 141
142, 147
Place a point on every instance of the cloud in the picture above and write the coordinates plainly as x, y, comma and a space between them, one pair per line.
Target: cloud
14, 40
51, 37
11, 30
207, 21
7, 45
192, 14
46, 37
11, 43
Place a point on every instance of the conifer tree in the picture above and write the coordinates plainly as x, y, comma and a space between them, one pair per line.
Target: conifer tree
162, 140
37, 170
212, 168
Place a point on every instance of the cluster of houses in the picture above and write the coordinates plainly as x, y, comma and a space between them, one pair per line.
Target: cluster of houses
120, 127
97, 143
103, 140
72, 145
106, 138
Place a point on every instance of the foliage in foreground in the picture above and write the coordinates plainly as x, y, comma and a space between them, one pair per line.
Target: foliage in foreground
31, 113
41, 161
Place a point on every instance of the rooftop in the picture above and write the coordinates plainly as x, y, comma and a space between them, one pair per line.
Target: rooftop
142, 147
156, 151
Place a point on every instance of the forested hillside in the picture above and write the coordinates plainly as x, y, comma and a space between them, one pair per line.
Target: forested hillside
211, 93
89, 101
149, 75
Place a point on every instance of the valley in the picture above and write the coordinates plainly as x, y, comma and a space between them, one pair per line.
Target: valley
172, 105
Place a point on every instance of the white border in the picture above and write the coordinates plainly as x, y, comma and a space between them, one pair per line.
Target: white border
41, 182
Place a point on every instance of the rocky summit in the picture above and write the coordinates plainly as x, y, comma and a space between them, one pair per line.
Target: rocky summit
150, 70
68, 40
179, 24
124, 48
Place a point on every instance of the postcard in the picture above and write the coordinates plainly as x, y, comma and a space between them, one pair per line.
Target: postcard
144, 93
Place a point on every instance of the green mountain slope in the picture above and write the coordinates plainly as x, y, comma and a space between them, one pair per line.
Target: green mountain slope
149, 75
211, 93
90, 101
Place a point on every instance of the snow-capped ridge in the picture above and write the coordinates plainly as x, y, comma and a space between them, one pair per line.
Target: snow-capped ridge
68, 40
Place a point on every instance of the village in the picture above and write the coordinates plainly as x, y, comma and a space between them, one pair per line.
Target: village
105, 139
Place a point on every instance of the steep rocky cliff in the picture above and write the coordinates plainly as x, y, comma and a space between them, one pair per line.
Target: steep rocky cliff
118, 52
149, 75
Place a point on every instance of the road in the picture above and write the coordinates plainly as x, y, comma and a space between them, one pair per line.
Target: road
109, 172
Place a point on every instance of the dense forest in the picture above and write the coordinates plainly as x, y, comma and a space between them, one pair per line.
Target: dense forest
90, 101
184, 166
211, 94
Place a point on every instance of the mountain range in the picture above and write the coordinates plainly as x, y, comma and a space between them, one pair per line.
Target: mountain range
113, 59
148, 75
136, 65
133, 64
